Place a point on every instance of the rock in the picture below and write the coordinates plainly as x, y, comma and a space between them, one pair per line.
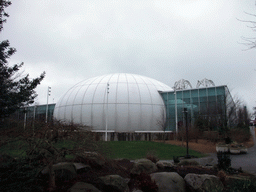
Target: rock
143, 165
82, 168
169, 181
115, 183
137, 190
63, 171
83, 187
164, 165
203, 183
92, 158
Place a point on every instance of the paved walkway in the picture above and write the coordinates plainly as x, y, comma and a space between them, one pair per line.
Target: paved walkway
246, 161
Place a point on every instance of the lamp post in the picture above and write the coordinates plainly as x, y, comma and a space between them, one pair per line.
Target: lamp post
106, 129
176, 112
185, 111
48, 94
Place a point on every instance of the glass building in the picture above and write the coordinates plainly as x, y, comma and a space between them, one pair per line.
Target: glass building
209, 104
133, 103
37, 112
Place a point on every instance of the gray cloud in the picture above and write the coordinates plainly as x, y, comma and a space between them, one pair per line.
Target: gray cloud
165, 40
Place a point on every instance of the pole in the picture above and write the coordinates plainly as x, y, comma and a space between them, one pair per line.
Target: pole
48, 94
25, 118
186, 119
176, 112
34, 118
106, 131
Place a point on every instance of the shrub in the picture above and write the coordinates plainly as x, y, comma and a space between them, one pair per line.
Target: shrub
144, 183
188, 163
151, 155
242, 185
222, 175
240, 135
224, 161
176, 159
43, 145
193, 134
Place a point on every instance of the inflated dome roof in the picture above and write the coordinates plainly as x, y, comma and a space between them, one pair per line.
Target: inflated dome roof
133, 103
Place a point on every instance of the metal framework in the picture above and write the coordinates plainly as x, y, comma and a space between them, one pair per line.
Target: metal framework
182, 84
205, 83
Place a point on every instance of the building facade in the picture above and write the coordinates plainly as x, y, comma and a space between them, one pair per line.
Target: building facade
128, 103
209, 104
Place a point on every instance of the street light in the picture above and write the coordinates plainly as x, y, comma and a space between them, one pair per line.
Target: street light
106, 131
176, 112
176, 109
48, 94
185, 111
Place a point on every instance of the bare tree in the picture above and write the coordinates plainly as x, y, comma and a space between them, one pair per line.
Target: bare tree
250, 42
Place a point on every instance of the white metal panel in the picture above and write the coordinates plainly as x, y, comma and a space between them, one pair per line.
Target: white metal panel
145, 94
86, 114
135, 117
100, 93
112, 93
97, 116
122, 93
79, 96
73, 95
68, 113
122, 116
146, 117
112, 78
134, 93
89, 95
111, 118
134, 103
76, 114
122, 78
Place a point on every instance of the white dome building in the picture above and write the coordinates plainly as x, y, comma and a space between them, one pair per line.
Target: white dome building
133, 103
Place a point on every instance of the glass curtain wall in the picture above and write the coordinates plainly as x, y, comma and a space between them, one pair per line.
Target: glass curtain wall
37, 112
210, 105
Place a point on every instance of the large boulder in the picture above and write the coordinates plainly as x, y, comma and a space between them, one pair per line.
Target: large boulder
63, 171
94, 159
162, 165
83, 187
143, 165
202, 183
115, 183
82, 168
169, 181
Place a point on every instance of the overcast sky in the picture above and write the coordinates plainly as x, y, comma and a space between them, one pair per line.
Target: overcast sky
165, 40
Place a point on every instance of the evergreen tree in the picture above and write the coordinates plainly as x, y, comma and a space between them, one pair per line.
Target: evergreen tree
16, 90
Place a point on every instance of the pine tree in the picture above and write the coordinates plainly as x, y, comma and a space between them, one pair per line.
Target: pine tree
16, 90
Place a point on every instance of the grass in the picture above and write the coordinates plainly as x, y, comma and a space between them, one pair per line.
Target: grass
14, 149
139, 149
116, 149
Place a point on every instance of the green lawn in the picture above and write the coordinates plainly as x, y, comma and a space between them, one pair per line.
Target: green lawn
140, 149
114, 149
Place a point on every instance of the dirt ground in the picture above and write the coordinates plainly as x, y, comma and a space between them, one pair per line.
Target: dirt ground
203, 146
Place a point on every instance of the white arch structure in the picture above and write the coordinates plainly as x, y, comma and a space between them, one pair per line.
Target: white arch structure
205, 83
182, 84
